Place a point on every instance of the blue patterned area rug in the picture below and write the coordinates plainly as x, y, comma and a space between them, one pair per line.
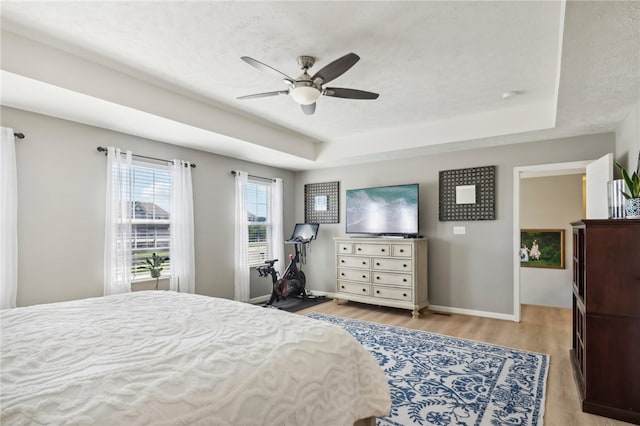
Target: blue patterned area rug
441, 380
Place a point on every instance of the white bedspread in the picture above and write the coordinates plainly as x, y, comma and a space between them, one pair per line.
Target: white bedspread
168, 358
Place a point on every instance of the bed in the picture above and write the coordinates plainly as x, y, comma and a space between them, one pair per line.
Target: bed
166, 358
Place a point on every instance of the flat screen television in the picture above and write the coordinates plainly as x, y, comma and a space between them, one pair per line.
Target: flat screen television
383, 210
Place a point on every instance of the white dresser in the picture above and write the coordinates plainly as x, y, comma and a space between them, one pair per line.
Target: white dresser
383, 271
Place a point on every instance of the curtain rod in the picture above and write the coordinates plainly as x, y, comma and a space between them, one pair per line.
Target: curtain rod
103, 149
233, 172
18, 135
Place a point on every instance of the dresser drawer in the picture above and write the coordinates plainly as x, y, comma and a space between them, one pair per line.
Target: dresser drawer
346, 248
353, 275
353, 262
354, 288
392, 293
401, 250
392, 279
391, 264
372, 249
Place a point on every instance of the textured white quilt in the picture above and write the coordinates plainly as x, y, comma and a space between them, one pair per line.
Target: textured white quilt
162, 358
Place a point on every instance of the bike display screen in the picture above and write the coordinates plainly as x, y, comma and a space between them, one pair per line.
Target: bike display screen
305, 232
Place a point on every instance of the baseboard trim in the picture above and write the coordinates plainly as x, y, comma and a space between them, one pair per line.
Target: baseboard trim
484, 314
322, 293
260, 299
434, 308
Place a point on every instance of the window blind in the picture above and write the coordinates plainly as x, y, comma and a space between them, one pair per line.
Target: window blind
150, 215
258, 216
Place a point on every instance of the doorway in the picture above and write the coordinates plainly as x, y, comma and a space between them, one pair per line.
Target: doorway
598, 172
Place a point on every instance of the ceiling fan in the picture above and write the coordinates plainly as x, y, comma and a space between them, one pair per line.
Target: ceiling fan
306, 89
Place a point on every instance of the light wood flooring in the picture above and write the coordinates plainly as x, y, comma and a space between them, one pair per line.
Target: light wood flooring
542, 329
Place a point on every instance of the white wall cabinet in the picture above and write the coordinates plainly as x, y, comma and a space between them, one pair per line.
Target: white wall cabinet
383, 271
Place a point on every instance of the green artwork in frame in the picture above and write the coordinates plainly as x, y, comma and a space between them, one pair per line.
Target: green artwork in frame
542, 248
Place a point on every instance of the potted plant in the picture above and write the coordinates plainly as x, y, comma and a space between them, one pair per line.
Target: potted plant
632, 197
154, 265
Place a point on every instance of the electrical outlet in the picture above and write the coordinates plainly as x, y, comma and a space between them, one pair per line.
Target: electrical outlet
459, 230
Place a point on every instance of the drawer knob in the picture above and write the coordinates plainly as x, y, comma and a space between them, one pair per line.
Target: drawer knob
364, 276
401, 250
344, 248
382, 250
404, 280
342, 261
342, 274
359, 249
364, 263
404, 265
364, 289
341, 286
404, 294
378, 291
377, 263
377, 278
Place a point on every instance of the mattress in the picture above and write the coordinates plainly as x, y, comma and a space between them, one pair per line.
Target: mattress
166, 358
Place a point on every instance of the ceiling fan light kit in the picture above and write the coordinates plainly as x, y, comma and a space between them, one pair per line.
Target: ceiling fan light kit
306, 89
304, 95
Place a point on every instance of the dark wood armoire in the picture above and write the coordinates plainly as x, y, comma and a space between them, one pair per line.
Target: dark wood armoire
606, 317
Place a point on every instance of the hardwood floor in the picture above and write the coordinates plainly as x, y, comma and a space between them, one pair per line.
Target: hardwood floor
542, 329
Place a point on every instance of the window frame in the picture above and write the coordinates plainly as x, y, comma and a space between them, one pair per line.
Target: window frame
267, 223
146, 274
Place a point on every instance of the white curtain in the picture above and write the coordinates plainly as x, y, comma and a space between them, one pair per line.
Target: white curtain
241, 248
277, 229
8, 221
119, 205
182, 246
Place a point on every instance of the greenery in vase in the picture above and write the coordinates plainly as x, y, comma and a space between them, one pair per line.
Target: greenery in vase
154, 265
633, 183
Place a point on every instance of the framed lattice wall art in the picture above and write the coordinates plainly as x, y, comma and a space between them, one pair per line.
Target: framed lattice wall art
322, 202
468, 194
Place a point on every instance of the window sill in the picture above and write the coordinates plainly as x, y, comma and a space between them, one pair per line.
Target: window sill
148, 279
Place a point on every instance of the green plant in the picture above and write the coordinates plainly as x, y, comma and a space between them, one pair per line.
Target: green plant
154, 265
633, 182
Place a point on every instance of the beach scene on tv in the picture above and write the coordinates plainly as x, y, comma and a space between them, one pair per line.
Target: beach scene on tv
383, 210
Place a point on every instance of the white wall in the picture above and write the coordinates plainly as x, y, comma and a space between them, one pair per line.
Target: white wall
472, 271
61, 201
61, 209
550, 203
628, 140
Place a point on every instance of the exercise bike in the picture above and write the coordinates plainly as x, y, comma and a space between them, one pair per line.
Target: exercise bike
293, 281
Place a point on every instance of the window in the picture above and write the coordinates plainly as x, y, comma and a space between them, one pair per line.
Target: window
258, 212
150, 214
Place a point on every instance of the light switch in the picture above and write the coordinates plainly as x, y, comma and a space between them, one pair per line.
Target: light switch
459, 230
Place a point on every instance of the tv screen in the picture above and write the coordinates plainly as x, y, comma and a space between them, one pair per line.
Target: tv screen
385, 210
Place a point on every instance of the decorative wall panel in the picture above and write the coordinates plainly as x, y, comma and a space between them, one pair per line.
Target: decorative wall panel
322, 202
484, 208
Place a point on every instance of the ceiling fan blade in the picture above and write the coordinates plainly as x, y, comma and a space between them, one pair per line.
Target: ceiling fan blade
264, 67
309, 109
338, 92
263, 95
336, 68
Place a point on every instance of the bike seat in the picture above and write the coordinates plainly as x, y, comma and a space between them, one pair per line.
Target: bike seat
271, 262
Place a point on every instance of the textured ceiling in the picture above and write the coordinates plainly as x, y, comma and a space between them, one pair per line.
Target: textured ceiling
438, 66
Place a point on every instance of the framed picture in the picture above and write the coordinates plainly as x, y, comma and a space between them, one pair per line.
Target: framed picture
542, 248
321, 202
